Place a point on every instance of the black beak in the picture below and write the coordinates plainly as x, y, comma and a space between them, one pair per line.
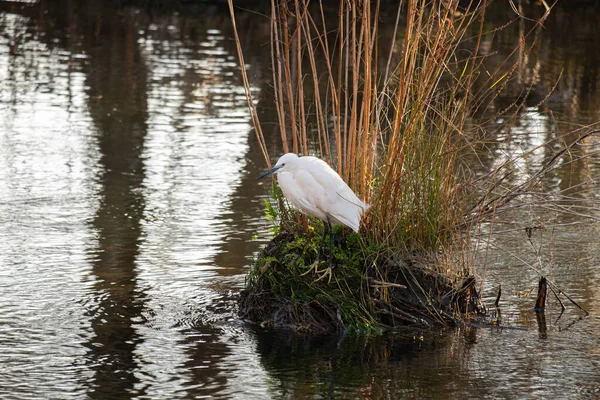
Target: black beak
267, 173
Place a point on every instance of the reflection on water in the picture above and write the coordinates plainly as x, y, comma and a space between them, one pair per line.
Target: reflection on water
434, 365
128, 208
118, 107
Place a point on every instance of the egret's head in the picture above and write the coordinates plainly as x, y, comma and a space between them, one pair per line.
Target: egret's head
284, 163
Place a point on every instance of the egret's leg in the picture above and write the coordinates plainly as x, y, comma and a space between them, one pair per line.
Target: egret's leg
327, 271
330, 242
315, 266
325, 227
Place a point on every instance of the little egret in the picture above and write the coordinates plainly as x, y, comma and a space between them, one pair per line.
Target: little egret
315, 189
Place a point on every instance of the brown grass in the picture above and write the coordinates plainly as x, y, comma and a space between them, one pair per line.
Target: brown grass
394, 116
395, 130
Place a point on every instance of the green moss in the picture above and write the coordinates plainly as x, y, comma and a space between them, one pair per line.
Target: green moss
288, 286
288, 269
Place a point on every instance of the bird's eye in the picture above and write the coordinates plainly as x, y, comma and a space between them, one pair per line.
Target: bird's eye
283, 165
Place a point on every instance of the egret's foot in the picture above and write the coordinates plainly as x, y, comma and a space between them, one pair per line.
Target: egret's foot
314, 267
320, 273
323, 273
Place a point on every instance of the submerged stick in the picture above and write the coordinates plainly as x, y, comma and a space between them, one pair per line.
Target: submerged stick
542, 326
540, 302
498, 297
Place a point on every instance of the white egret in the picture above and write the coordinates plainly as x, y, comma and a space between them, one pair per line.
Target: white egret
315, 189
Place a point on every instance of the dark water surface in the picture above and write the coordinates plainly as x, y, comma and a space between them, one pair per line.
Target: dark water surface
129, 216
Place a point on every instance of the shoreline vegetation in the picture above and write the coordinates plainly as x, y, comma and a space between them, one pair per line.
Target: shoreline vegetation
399, 118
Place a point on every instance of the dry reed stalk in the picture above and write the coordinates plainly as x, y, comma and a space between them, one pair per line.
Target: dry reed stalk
253, 112
396, 130
288, 74
429, 43
277, 76
359, 101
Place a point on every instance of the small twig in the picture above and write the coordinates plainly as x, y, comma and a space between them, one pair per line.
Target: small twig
398, 314
562, 306
569, 298
375, 282
569, 325
498, 297
559, 316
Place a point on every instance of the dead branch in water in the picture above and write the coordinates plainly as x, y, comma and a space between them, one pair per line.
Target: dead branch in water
540, 302
497, 302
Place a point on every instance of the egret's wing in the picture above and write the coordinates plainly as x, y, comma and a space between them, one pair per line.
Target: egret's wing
298, 189
340, 198
329, 193
346, 212
328, 178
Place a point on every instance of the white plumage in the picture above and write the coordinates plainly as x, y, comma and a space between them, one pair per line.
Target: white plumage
314, 188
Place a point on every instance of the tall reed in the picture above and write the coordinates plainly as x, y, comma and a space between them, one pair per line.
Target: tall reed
389, 113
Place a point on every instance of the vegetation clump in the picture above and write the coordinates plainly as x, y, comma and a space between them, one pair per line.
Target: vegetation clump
369, 289
393, 116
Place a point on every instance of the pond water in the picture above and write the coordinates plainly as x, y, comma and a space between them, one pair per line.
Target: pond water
129, 215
